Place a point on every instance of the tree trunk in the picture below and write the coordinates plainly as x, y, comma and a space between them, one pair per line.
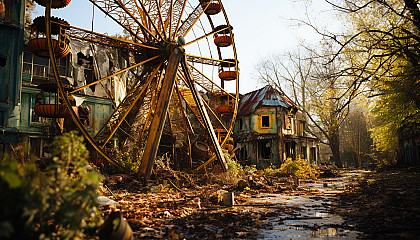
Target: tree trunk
335, 148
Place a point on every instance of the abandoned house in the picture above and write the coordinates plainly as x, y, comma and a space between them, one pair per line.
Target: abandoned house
270, 128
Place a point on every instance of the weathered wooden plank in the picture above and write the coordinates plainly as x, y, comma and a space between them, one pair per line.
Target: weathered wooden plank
159, 115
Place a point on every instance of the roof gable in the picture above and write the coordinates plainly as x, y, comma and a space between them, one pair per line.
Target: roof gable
266, 96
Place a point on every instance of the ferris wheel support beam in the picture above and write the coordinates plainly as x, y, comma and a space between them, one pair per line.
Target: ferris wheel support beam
159, 115
202, 109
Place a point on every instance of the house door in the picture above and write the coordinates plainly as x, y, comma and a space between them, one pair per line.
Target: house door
264, 149
313, 155
291, 150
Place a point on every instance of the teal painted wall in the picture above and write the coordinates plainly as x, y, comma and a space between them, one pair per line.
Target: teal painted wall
253, 124
100, 110
11, 47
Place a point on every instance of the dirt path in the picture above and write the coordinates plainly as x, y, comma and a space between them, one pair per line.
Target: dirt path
344, 207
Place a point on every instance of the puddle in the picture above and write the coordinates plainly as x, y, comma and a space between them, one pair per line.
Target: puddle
312, 218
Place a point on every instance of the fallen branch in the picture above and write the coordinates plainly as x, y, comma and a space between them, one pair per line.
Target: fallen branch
174, 186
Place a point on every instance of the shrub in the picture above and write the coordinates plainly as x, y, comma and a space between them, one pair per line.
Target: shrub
234, 170
60, 203
129, 163
298, 168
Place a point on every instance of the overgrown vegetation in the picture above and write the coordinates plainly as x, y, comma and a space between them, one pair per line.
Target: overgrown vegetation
60, 203
127, 162
298, 168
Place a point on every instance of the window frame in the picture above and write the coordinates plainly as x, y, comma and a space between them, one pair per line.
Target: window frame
270, 121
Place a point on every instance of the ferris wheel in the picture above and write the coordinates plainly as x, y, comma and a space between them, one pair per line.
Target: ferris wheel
183, 67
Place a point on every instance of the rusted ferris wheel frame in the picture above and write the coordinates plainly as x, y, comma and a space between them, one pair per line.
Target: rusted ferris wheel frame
179, 25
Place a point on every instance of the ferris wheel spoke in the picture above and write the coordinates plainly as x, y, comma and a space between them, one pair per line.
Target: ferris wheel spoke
215, 115
178, 9
201, 78
206, 60
203, 114
204, 36
170, 19
121, 112
112, 75
113, 10
98, 38
160, 15
151, 20
188, 23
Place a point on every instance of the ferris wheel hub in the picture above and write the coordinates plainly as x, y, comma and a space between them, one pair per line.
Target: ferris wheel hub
171, 47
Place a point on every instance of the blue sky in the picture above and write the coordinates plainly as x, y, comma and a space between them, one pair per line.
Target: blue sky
261, 28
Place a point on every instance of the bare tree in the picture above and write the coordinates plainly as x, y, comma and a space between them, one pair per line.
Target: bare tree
317, 86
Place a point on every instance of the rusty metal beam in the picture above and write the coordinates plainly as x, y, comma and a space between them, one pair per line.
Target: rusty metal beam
159, 115
75, 118
203, 112
188, 23
112, 75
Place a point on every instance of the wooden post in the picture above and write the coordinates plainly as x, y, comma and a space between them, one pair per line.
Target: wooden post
159, 115
203, 112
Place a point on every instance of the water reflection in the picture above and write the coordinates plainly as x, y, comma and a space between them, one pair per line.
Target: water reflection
313, 218
329, 232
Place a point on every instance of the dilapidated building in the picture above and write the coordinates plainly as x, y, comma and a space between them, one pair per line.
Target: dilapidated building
270, 128
27, 80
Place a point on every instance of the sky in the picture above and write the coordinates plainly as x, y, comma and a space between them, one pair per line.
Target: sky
261, 27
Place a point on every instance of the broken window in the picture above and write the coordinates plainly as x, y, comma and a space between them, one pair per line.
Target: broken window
40, 68
265, 121
87, 63
2, 61
6, 11
290, 150
35, 146
287, 122
243, 154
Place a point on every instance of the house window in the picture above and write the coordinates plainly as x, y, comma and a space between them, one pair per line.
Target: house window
287, 122
241, 124
87, 63
265, 121
40, 67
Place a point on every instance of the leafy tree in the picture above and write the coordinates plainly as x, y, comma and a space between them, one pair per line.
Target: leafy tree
385, 39
29, 8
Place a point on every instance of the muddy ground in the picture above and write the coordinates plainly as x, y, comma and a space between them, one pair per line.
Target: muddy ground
384, 205
342, 205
